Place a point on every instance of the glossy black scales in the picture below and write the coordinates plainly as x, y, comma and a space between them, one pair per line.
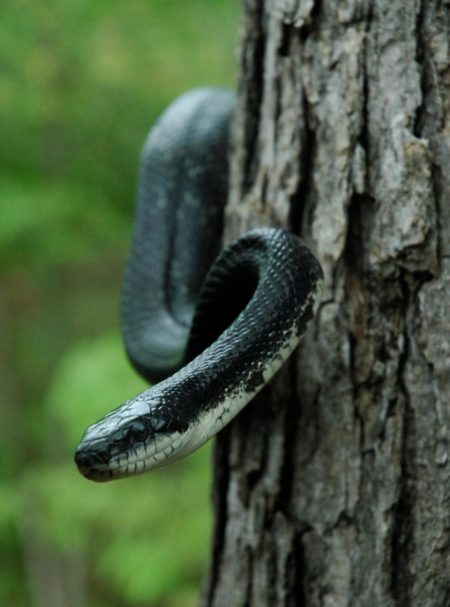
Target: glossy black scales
216, 340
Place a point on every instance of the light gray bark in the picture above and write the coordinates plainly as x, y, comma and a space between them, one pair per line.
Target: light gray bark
332, 489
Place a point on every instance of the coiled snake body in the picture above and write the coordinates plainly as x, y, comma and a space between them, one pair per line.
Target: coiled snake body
211, 342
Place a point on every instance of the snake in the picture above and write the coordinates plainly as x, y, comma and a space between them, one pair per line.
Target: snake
207, 328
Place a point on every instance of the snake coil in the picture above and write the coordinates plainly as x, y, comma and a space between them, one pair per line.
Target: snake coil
211, 333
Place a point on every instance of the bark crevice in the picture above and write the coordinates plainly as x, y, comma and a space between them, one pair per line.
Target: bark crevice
337, 482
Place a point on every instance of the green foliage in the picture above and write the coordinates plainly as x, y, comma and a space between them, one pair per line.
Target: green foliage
145, 538
83, 82
92, 378
80, 84
137, 550
78, 228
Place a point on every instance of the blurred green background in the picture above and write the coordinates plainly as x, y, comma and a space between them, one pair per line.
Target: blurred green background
80, 83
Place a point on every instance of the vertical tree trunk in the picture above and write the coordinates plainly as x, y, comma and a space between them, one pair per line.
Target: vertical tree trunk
332, 488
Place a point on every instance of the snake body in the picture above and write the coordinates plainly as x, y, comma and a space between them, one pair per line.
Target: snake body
211, 332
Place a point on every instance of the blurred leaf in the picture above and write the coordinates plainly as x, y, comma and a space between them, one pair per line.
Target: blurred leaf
152, 531
80, 84
54, 223
93, 378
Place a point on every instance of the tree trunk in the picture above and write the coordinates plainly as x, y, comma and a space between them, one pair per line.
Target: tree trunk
332, 488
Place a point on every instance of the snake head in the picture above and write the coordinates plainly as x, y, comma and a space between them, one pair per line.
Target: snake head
137, 436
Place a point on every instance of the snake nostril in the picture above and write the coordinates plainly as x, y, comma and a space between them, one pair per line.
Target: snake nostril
85, 459
91, 463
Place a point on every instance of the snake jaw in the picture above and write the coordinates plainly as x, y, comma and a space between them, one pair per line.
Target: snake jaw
106, 460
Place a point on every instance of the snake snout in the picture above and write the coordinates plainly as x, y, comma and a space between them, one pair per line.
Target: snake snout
88, 462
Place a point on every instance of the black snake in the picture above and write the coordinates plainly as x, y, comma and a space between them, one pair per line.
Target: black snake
211, 332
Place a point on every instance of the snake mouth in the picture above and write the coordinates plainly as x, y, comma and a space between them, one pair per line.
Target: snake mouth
93, 467
100, 463
89, 466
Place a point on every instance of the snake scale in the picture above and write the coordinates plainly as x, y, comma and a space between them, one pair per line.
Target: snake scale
209, 328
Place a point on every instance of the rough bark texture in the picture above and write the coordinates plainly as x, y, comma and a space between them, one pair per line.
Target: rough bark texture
333, 488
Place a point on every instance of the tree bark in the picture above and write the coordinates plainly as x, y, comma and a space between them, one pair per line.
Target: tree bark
332, 488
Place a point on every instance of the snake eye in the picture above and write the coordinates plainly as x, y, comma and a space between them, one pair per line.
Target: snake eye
167, 424
158, 423
137, 430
